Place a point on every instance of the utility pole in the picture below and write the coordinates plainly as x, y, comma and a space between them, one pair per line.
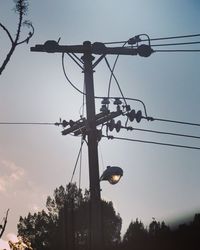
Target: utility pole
95, 196
89, 126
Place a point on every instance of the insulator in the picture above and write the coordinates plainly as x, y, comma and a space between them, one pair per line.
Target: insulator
128, 108
111, 125
118, 126
138, 116
117, 101
134, 40
131, 115
65, 123
71, 123
105, 101
144, 50
103, 108
50, 46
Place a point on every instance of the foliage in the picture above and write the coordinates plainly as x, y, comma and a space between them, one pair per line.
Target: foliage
21, 8
160, 236
66, 221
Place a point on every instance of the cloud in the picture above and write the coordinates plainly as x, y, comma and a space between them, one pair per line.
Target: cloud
19, 193
11, 176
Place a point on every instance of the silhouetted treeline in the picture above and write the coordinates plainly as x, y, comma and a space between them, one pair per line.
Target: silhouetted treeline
65, 223
159, 236
65, 226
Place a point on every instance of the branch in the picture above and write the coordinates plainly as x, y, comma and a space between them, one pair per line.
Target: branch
30, 34
4, 225
21, 8
7, 32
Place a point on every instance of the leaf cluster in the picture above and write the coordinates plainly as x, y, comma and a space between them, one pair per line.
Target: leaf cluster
21, 6
66, 221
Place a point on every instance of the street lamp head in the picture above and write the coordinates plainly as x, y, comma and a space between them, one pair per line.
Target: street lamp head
112, 175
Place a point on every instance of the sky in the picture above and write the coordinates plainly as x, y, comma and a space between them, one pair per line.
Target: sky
159, 181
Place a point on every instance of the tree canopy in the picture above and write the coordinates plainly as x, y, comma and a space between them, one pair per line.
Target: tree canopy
65, 222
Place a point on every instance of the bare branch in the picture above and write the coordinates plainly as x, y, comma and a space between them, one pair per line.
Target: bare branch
21, 7
4, 224
30, 34
7, 32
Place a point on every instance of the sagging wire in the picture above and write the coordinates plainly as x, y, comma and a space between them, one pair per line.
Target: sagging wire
65, 74
112, 71
116, 80
129, 128
175, 121
151, 142
80, 170
159, 38
77, 159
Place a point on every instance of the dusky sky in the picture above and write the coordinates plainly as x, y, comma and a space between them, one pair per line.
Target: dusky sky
159, 181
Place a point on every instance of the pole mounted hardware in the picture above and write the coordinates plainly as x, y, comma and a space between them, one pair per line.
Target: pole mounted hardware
88, 125
96, 48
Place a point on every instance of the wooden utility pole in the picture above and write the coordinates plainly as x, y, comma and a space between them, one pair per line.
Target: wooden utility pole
90, 125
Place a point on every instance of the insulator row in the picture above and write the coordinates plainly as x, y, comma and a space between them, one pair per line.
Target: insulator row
133, 115
112, 125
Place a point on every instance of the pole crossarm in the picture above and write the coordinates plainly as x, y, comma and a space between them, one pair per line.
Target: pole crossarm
82, 127
96, 48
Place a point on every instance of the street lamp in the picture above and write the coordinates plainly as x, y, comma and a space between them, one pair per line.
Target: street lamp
112, 175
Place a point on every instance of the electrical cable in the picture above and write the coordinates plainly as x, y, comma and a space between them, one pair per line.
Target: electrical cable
175, 121
115, 80
79, 153
100, 97
178, 50
65, 74
163, 132
101, 156
112, 71
159, 38
152, 142
175, 44
82, 139
80, 167
28, 123
173, 37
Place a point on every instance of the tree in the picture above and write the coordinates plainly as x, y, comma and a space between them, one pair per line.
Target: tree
65, 224
21, 8
135, 236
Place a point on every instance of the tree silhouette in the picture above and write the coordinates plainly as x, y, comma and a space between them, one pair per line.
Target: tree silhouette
135, 236
21, 8
65, 224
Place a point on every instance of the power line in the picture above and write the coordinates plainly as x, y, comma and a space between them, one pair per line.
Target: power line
79, 153
152, 142
178, 50
112, 73
172, 37
159, 38
65, 74
174, 44
175, 121
28, 123
163, 132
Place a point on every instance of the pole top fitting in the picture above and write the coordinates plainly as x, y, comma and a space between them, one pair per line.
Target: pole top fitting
87, 43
